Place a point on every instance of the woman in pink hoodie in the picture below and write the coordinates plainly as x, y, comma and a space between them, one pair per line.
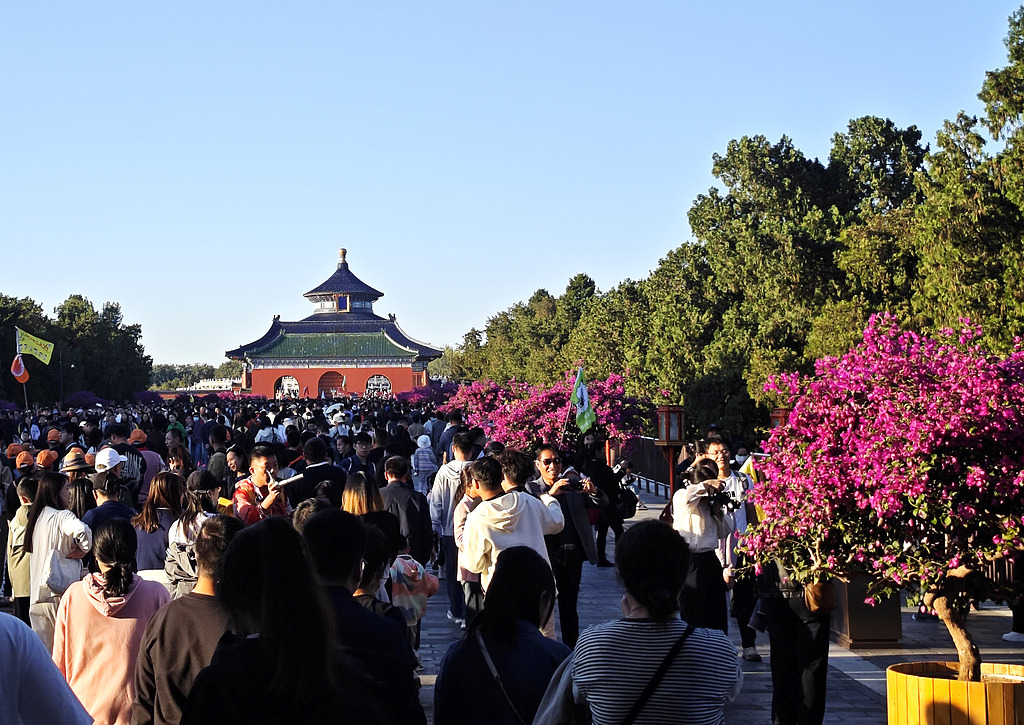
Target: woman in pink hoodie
100, 623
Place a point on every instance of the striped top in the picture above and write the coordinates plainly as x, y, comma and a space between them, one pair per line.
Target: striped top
613, 662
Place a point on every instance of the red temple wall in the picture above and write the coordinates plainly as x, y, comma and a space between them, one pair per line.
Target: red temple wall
402, 379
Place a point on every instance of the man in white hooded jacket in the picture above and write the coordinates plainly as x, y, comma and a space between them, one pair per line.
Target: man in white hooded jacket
503, 520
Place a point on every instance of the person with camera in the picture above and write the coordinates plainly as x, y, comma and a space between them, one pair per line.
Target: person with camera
591, 462
574, 544
701, 513
743, 587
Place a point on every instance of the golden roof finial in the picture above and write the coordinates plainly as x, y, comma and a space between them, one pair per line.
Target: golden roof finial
341, 255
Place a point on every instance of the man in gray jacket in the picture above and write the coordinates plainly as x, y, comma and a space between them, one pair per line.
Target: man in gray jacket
443, 499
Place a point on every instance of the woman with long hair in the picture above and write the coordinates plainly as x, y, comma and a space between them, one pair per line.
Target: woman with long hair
238, 467
100, 624
650, 639
362, 498
57, 541
362, 495
179, 461
281, 668
77, 469
153, 523
503, 653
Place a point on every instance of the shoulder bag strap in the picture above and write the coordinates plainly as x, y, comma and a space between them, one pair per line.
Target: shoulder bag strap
496, 676
653, 684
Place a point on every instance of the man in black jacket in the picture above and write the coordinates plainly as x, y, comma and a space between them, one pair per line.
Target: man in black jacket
320, 477
410, 506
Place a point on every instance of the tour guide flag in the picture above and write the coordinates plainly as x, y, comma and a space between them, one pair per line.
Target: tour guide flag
584, 413
34, 346
18, 370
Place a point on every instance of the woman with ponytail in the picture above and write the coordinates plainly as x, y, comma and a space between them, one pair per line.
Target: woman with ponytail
650, 666
100, 623
199, 502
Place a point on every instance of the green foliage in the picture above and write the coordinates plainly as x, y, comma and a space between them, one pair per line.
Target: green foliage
969, 240
173, 377
232, 369
442, 367
98, 350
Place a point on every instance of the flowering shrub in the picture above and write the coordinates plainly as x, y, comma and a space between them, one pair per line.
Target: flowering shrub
901, 460
434, 394
522, 415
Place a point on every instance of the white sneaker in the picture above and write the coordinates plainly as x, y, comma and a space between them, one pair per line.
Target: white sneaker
456, 620
1014, 636
750, 654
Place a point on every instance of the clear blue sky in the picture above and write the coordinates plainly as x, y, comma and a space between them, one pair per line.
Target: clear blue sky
201, 162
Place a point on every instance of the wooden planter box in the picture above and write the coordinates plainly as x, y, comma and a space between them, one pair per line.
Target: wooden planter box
857, 625
928, 692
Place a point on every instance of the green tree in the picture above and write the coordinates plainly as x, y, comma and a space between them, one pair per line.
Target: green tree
770, 242
43, 384
232, 369
609, 336
173, 377
1003, 96
969, 240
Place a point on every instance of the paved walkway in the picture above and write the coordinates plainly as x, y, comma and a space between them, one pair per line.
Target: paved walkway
856, 684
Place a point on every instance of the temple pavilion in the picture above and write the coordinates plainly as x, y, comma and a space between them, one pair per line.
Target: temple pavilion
340, 349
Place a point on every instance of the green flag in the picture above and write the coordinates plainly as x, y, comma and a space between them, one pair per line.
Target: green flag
584, 413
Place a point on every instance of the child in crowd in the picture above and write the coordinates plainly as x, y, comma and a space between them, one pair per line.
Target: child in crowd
424, 465
411, 586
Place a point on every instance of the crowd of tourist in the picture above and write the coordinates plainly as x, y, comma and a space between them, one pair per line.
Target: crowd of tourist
237, 562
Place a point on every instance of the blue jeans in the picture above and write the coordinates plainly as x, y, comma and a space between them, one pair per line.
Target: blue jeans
456, 600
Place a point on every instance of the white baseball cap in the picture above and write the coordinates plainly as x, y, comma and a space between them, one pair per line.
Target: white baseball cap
108, 458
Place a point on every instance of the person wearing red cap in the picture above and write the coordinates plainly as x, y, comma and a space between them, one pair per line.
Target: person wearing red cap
53, 443
45, 460
24, 464
12, 452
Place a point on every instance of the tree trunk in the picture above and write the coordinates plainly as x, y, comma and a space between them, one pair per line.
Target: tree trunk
953, 617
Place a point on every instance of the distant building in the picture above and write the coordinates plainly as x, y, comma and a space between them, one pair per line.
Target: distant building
342, 348
217, 385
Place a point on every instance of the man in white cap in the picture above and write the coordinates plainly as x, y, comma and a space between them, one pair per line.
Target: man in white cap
107, 488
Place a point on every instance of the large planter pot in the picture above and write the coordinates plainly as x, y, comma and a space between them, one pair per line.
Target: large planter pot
928, 692
858, 625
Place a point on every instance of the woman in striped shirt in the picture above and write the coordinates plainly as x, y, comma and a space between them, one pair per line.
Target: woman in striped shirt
614, 665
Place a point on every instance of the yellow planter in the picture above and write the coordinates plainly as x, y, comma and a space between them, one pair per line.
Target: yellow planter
928, 693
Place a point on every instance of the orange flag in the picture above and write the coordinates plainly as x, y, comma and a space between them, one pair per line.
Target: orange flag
18, 369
